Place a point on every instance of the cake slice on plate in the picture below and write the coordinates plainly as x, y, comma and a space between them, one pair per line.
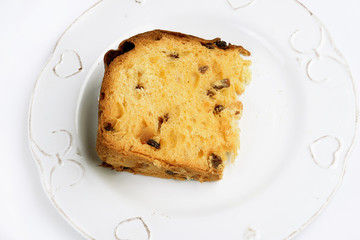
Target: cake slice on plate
168, 105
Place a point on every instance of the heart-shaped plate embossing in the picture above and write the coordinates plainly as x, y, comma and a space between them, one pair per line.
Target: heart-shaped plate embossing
324, 150
132, 228
69, 64
236, 4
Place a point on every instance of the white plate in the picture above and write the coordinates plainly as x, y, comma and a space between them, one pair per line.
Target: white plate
297, 129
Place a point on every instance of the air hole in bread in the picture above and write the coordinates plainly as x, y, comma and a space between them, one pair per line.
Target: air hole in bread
216, 69
143, 124
196, 79
200, 154
162, 119
162, 74
138, 96
139, 85
171, 65
154, 59
119, 110
182, 138
129, 65
173, 139
145, 134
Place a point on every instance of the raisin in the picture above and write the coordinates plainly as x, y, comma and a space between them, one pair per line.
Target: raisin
106, 165
153, 143
170, 172
158, 37
102, 96
123, 48
127, 46
218, 108
208, 45
225, 83
139, 87
210, 93
166, 117
237, 112
215, 160
221, 44
174, 55
108, 127
203, 69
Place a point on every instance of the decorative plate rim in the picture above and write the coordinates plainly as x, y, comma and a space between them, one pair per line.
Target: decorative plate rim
291, 235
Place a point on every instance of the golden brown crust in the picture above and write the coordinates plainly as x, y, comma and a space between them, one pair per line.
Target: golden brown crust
115, 158
133, 158
157, 35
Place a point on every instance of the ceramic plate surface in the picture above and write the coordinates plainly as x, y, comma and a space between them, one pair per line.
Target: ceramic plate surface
297, 128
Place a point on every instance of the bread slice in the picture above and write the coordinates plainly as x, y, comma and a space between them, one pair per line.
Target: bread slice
168, 105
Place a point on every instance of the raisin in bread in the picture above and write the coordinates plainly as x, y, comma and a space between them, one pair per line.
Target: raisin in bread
168, 105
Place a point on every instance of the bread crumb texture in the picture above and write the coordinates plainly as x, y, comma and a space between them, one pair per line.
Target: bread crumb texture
168, 105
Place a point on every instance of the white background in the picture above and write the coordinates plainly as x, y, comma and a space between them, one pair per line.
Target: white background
28, 33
